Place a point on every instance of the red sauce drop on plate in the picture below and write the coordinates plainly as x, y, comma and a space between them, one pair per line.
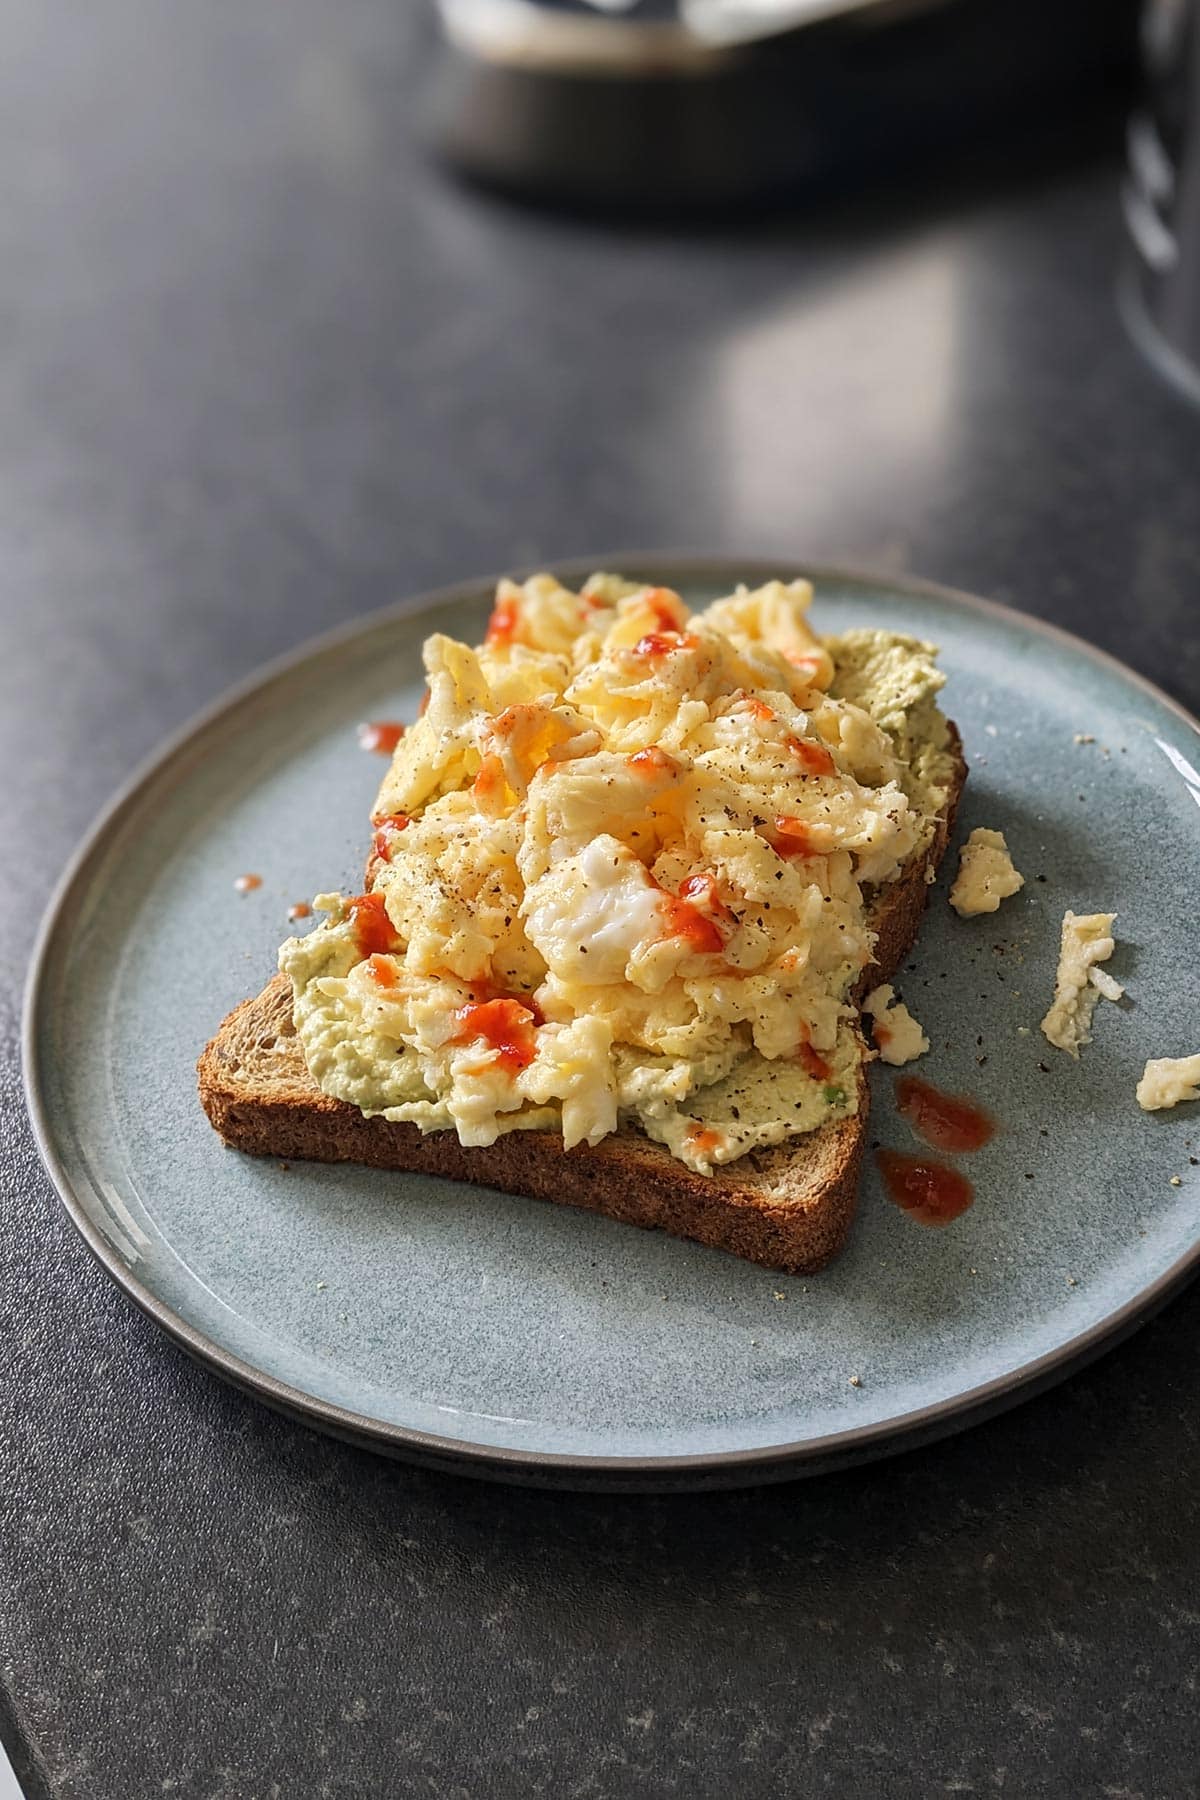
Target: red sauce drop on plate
502, 626
505, 1025
301, 910
814, 759
947, 1121
373, 931
381, 735
931, 1191
246, 884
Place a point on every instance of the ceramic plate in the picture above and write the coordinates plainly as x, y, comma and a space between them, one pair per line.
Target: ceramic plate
510, 1338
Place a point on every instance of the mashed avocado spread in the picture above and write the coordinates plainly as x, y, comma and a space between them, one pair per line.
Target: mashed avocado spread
896, 680
618, 869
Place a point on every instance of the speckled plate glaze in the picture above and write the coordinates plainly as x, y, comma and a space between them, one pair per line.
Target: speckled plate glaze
508, 1338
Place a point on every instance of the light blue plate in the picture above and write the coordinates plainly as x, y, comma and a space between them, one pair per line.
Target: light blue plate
509, 1338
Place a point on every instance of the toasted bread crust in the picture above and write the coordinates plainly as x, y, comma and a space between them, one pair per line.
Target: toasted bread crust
256, 1089
790, 1208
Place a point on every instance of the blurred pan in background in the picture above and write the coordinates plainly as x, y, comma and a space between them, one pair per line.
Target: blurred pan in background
653, 103
1162, 195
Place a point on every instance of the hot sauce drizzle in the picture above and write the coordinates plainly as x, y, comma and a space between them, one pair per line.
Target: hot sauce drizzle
301, 910
813, 1063
704, 1139
246, 884
814, 759
372, 928
381, 735
662, 643
701, 891
387, 826
651, 762
794, 838
490, 780
668, 609
505, 1025
683, 920
807, 661
382, 971
692, 914
947, 1121
502, 626
930, 1190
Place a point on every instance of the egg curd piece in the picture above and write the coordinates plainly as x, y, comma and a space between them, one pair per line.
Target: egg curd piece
592, 913
775, 617
617, 873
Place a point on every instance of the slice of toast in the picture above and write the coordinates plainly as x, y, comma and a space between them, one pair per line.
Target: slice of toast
789, 1208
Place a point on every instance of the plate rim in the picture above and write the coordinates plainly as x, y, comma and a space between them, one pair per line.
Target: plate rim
639, 1472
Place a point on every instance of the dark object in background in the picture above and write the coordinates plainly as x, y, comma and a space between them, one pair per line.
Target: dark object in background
1162, 194
623, 105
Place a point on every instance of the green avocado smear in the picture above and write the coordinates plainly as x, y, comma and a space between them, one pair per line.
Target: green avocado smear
752, 1103
896, 680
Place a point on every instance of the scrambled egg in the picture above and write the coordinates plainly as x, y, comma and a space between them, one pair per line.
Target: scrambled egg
986, 875
898, 1036
1087, 940
618, 872
1167, 1081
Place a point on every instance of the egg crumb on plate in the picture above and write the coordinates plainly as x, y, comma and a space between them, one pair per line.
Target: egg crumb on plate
898, 1036
1168, 1081
986, 875
1079, 983
618, 869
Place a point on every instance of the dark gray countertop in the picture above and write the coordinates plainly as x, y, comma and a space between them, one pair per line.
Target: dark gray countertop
264, 368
